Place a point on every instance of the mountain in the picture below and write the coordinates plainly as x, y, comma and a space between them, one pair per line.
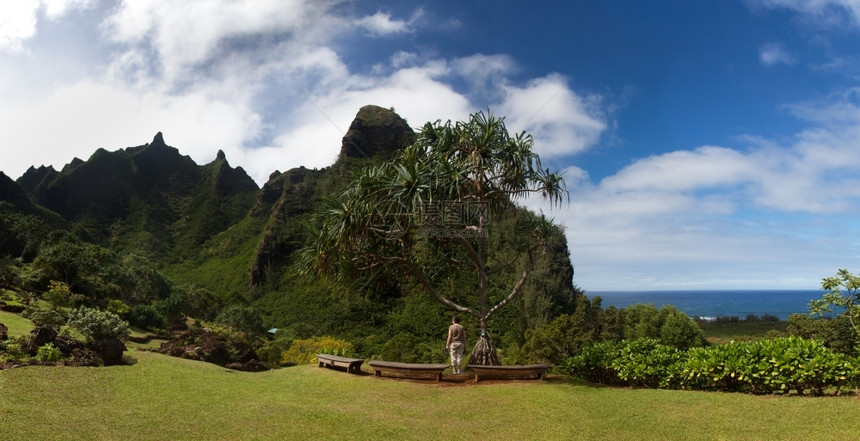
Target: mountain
148, 198
218, 236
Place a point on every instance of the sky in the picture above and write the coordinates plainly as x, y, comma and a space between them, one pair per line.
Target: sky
706, 144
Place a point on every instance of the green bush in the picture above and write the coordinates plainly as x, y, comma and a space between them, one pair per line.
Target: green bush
594, 363
14, 350
407, 348
96, 324
146, 316
49, 352
801, 364
565, 336
41, 317
646, 362
272, 351
304, 351
836, 333
118, 307
734, 367
781, 364
667, 324
244, 319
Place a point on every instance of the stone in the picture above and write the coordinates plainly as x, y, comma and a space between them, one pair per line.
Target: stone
110, 350
39, 337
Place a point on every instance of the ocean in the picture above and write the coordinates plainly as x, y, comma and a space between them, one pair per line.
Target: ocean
711, 304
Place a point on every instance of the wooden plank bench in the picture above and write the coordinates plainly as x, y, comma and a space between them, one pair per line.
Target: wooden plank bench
517, 372
408, 369
352, 365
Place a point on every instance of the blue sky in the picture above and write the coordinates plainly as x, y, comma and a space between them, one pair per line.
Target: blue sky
706, 144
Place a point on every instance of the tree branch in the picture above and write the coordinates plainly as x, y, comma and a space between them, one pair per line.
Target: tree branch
430, 289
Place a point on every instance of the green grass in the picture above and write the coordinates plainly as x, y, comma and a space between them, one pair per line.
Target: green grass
17, 325
164, 398
720, 332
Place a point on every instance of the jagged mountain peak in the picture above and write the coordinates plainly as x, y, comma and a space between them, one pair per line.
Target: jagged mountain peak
376, 130
158, 140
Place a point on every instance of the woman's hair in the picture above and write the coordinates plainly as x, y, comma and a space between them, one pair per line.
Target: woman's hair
456, 319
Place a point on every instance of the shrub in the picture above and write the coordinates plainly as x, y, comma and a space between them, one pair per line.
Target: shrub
59, 294
407, 348
594, 363
272, 351
41, 317
244, 319
49, 352
781, 364
732, 367
118, 307
304, 351
14, 350
96, 324
145, 316
836, 333
647, 362
565, 336
668, 324
801, 364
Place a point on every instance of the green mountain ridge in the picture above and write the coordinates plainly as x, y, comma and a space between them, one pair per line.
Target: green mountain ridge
210, 228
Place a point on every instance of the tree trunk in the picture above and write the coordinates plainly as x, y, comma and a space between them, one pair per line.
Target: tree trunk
484, 352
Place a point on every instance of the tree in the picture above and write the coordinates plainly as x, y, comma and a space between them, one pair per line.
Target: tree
843, 291
428, 214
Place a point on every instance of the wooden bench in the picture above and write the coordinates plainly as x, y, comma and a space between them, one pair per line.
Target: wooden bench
408, 369
517, 372
352, 365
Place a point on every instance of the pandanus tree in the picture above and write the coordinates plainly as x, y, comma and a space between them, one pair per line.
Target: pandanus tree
429, 212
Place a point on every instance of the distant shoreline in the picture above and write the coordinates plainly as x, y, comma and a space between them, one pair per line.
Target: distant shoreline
717, 303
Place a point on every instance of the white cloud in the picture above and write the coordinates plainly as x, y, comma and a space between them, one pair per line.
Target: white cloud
825, 13
75, 120
711, 213
17, 23
189, 35
55, 9
382, 24
771, 54
19, 19
562, 122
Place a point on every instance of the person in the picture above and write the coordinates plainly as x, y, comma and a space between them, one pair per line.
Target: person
456, 344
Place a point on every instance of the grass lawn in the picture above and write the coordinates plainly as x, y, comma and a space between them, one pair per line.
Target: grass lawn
742, 330
165, 398
17, 325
